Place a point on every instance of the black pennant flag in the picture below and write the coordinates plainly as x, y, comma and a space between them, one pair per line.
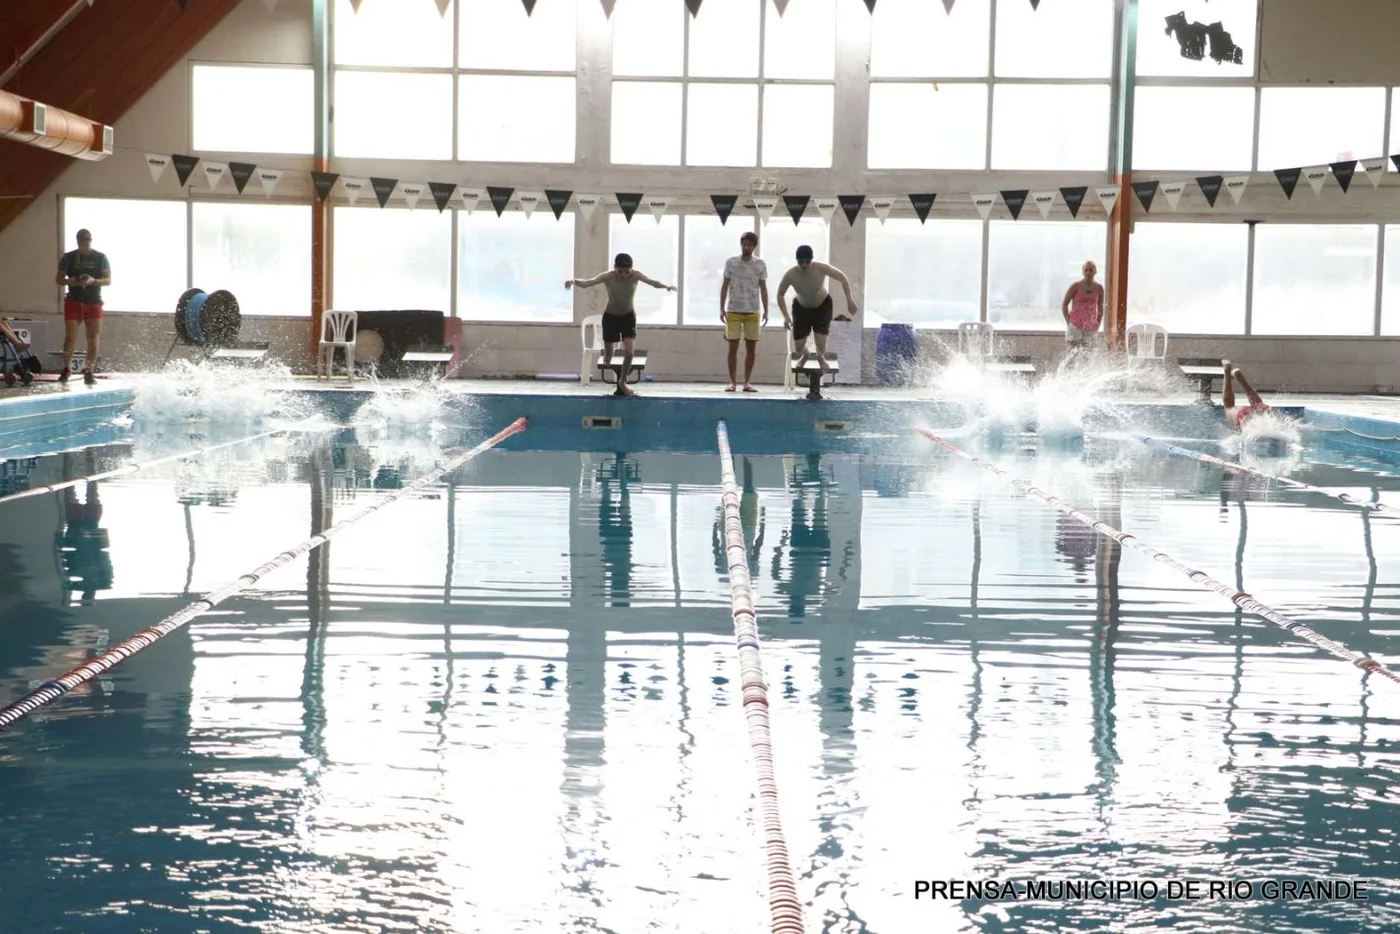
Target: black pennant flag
796, 206
383, 188
1344, 172
922, 205
241, 172
1396, 160
442, 194
1074, 197
324, 182
1146, 191
529, 7
724, 204
558, 201
1015, 200
500, 197
1035, 4
629, 202
184, 165
851, 205
1288, 180
871, 5
1210, 187
694, 6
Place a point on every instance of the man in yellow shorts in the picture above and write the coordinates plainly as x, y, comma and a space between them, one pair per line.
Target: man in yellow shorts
745, 286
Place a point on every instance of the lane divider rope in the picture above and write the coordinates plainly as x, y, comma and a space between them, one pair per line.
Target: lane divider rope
1241, 468
52, 690
784, 907
1242, 600
186, 455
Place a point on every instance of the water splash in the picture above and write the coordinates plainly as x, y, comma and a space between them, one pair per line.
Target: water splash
402, 429
187, 391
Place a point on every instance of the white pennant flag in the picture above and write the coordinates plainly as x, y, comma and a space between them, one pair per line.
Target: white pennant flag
781, 5
354, 187
215, 172
658, 206
586, 204
442, 6
1235, 185
1108, 197
157, 164
764, 207
1316, 176
411, 193
985, 201
1172, 192
1374, 169
827, 207
269, 179
471, 197
881, 207
607, 7
1045, 200
529, 200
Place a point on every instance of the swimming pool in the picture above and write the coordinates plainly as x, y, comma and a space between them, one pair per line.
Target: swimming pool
511, 704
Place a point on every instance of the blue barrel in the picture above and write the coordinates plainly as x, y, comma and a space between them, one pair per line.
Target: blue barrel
896, 353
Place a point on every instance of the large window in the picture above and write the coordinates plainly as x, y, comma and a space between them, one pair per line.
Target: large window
513, 268
924, 274
259, 252
736, 85
393, 35
1312, 126
252, 108
146, 242
1030, 129
1201, 128
1159, 52
388, 259
1314, 279
951, 132
1189, 278
655, 249
499, 35
516, 118
1030, 265
1390, 295
393, 115
918, 39
1058, 40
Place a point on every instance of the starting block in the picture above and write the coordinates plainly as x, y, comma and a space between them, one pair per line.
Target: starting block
427, 362
614, 366
812, 369
1203, 371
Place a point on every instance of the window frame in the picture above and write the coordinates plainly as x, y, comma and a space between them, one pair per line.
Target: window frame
65, 242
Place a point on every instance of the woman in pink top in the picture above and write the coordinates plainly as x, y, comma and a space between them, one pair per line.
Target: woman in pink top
1083, 307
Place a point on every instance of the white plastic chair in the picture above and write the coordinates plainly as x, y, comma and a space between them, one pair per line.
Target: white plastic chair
1141, 342
338, 329
591, 336
975, 339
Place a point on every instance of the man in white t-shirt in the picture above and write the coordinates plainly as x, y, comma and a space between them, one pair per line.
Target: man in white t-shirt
745, 286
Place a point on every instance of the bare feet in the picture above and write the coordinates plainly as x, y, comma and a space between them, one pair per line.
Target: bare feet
730, 388
822, 362
801, 362
749, 388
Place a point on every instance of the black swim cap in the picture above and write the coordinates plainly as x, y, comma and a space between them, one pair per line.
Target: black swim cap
624, 260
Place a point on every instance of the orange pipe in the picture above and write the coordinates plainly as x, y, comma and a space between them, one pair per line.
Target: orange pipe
63, 132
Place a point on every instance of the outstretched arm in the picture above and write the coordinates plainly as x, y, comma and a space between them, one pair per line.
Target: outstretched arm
589, 283
845, 281
653, 283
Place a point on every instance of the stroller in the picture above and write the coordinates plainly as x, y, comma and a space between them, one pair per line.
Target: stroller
16, 363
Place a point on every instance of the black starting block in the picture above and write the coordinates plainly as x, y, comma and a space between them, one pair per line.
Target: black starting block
614, 366
1203, 371
812, 369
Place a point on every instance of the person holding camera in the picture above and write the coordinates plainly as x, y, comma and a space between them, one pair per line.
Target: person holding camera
85, 271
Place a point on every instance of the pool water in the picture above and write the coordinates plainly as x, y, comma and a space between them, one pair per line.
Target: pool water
511, 704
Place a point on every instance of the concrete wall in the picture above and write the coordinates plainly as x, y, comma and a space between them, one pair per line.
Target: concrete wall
1332, 42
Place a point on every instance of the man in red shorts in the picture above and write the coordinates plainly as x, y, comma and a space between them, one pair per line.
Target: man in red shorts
1237, 414
85, 271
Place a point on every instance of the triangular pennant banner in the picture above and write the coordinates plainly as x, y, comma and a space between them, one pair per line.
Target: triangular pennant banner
412, 192
781, 5
1108, 197
383, 188
354, 187
629, 202
355, 5
500, 197
529, 200
1172, 192
214, 173
442, 194
1288, 180
1145, 192
1015, 200
157, 164
269, 179
948, 6
184, 165
324, 182
608, 6
241, 172
1316, 176
658, 206
826, 207
764, 207
882, 207
558, 201
694, 6
1344, 171
1210, 187
796, 206
1396, 159
1074, 197
1374, 169
443, 6
850, 206
529, 7
724, 205
922, 205
870, 5
985, 201
471, 198
1235, 185
586, 204
1035, 4
1044, 202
